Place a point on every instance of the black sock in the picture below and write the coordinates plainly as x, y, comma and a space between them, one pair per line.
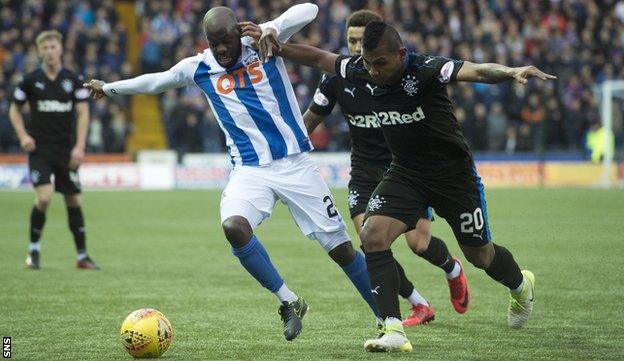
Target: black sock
77, 228
385, 282
37, 220
438, 255
406, 287
504, 268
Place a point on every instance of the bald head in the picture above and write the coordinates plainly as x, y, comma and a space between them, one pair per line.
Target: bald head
221, 30
219, 20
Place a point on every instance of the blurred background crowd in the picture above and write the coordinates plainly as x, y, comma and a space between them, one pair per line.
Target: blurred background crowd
580, 41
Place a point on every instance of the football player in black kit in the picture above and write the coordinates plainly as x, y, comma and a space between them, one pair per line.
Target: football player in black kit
432, 165
370, 158
57, 100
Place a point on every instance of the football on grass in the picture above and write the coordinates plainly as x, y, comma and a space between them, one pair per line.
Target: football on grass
146, 333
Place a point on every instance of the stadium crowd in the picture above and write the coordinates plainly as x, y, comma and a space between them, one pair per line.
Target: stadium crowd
580, 41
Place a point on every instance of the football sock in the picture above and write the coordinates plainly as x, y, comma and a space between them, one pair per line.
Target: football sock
284, 294
34, 246
358, 275
385, 282
406, 287
256, 261
455, 272
77, 228
37, 220
504, 268
415, 298
82, 256
438, 255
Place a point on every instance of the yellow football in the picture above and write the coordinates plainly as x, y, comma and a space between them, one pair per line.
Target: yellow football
146, 333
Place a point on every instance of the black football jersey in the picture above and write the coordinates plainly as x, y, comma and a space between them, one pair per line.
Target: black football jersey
416, 115
367, 140
52, 104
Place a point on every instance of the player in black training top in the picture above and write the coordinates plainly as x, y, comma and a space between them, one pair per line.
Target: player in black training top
58, 104
370, 158
432, 164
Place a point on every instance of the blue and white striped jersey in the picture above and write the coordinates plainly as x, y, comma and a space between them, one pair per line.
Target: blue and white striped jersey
254, 102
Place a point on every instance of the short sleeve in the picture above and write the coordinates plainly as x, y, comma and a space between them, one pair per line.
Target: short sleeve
80, 92
20, 93
324, 98
445, 69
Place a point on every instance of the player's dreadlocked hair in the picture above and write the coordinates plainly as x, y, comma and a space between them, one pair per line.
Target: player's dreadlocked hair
377, 33
361, 18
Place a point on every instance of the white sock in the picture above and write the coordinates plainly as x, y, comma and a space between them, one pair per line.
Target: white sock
415, 298
284, 294
516, 291
34, 246
455, 272
394, 323
81, 256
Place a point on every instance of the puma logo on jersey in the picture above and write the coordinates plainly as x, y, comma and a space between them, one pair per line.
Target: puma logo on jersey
377, 119
39, 85
54, 106
372, 88
350, 91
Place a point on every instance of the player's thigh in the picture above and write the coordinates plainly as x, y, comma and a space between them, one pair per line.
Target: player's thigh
248, 195
465, 210
308, 198
396, 197
358, 222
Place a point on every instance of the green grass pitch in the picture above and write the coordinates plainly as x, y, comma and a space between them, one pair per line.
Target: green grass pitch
166, 250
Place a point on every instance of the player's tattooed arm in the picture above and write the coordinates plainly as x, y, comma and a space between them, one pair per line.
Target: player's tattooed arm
309, 56
312, 120
496, 73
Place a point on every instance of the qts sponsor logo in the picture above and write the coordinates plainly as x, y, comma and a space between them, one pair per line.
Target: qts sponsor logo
230, 81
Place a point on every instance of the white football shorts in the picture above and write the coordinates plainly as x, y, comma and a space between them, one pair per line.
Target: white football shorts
296, 181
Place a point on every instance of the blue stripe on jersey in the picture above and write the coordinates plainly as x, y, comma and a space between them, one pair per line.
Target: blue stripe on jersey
481, 188
284, 104
241, 140
262, 118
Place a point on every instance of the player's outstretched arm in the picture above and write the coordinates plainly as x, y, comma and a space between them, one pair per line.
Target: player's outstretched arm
153, 83
495, 73
309, 56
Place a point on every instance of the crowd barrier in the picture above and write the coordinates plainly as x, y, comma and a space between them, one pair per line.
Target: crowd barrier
160, 170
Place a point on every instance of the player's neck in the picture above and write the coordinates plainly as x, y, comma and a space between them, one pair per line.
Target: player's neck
52, 71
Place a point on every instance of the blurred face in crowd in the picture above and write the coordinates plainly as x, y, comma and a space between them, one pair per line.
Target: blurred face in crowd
354, 39
50, 51
384, 64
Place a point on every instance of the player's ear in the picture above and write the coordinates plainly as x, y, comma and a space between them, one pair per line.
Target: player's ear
402, 53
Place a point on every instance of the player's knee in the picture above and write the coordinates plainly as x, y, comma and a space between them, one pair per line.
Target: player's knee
43, 201
343, 254
479, 258
237, 231
72, 200
373, 239
418, 240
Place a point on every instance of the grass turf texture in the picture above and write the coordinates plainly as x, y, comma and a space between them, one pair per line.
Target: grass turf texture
166, 250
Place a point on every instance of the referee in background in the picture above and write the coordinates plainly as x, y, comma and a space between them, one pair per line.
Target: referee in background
54, 144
